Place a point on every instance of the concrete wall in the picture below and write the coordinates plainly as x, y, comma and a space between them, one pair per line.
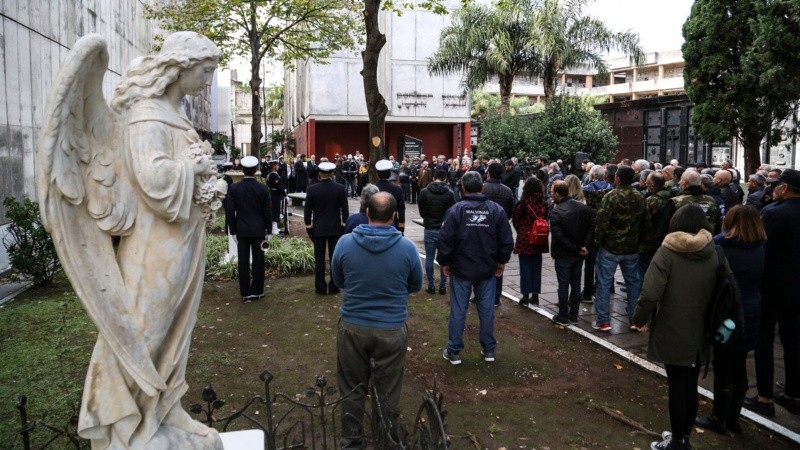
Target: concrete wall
35, 37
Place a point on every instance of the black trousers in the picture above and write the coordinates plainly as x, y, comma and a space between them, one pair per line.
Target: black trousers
730, 383
250, 283
682, 382
414, 192
787, 317
320, 244
588, 271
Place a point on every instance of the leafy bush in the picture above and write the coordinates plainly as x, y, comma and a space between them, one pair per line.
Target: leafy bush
506, 136
288, 255
29, 246
570, 125
216, 248
218, 224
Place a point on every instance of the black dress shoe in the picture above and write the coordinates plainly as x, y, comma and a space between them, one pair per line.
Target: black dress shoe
430, 291
334, 291
442, 291
791, 404
763, 408
321, 292
712, 423
535, 299
733, 425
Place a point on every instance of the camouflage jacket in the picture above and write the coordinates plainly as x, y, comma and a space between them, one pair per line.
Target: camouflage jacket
623, 221
706, 202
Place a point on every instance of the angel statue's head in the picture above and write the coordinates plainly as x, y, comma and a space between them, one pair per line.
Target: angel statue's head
149, 76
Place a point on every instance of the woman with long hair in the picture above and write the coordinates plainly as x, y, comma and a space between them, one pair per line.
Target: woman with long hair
742, 238
454, 178
575, 188
677, 289
530, 207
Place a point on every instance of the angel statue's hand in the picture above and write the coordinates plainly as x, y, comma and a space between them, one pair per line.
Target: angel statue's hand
205, 166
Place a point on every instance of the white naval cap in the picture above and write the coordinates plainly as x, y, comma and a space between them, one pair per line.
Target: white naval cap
383, 164
327, 167
249, 161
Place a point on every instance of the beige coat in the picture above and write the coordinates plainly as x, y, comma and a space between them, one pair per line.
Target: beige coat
677, 289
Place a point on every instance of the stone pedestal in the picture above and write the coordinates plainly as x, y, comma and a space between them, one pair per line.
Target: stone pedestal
243, 440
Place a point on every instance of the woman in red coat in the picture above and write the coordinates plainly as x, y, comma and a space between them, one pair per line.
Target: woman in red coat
530, 207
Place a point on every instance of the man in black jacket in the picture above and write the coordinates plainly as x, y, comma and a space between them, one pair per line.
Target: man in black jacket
501, 194
511, 178
571, 230
325, 214
434, 201
250, 221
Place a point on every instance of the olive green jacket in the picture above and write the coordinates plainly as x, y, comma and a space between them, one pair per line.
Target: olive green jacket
677, 290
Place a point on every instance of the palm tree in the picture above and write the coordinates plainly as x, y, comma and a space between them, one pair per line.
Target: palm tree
565, 38
486, 42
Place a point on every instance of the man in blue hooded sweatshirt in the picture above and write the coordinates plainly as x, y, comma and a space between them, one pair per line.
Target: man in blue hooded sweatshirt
376, 268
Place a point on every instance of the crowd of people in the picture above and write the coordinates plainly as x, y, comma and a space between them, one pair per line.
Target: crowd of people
660, 224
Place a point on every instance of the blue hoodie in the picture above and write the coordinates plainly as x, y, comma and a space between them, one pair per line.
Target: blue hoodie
377, 268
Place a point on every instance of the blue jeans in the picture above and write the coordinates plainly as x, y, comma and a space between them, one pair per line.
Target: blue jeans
530, 273
568, 274
431, 238
605, 267
460, 290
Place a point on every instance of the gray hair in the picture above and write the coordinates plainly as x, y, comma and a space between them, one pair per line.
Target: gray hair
706, 180
641, 164
598, 172
472, 182
691, 178
366, 193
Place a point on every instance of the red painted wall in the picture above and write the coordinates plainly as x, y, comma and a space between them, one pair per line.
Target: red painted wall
344, 138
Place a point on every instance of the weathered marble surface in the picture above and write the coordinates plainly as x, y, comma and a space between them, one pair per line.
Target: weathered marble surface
137, 170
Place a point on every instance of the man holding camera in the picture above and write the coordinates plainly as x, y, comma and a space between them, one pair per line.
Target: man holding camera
248, 211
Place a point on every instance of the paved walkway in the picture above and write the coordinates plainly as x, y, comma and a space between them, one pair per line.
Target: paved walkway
629, 344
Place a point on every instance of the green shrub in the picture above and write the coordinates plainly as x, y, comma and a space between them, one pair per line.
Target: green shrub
216, 248
290, 255
30, 247
218, 224
287, 255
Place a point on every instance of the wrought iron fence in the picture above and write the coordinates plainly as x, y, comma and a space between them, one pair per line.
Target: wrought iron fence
309, 421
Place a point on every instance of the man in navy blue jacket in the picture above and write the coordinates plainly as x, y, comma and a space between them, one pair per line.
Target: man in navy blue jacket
475, 243
373, 324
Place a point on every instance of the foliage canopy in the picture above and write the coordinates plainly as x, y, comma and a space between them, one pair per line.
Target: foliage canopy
741, 63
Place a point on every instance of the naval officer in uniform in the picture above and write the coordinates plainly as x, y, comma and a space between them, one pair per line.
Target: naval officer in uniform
325, 214
276, 194
384, 169
249, 215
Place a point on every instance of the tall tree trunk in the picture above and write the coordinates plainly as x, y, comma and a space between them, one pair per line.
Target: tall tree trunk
752, 153
549, 82
505, 82
376, 104
255, 82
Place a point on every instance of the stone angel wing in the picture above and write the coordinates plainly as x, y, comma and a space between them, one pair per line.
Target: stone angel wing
86, 198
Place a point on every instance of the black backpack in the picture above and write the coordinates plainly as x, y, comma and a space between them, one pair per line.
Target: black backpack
726, 303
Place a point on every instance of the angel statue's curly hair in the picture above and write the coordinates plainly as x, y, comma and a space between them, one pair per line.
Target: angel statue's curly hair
149, 76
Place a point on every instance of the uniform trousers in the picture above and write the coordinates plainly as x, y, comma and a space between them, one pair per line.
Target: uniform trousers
250, 284
320, 244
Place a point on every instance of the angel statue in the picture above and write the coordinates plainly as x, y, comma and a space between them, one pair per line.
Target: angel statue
136, 170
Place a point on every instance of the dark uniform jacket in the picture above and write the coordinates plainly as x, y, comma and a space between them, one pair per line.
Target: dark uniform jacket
301, 174
781, 270
326, 209
248, 209
570, 228
397, 193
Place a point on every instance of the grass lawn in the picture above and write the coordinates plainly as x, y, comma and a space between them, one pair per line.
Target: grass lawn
548, 389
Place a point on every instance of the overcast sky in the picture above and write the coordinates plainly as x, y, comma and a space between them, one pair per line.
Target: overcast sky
658, 22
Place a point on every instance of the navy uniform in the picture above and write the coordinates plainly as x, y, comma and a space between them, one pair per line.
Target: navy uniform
249, 216
283, 172
325, 214
276, 194
384, 168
